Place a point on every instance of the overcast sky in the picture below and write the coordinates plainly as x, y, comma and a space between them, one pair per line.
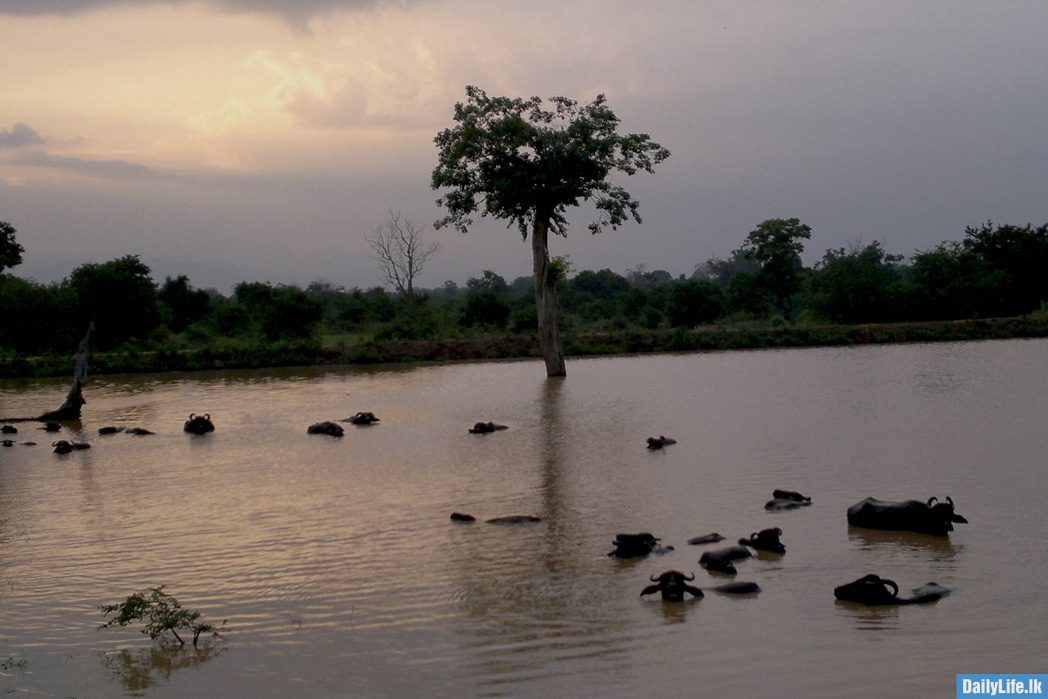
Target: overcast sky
261, 139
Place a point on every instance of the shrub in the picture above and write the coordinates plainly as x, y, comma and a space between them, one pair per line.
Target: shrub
161, 612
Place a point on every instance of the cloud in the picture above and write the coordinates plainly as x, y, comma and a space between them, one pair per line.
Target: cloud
116, 169
19, 136
298, 12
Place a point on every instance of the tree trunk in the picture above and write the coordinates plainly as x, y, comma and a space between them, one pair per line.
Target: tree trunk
546, 300
70, 410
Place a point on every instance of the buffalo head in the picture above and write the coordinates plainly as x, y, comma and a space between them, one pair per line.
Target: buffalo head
870, 590
672, 584
943, 511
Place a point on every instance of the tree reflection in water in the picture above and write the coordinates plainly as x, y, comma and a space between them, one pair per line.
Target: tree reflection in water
140, 669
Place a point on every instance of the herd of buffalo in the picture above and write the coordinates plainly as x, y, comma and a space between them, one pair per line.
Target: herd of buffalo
931, 517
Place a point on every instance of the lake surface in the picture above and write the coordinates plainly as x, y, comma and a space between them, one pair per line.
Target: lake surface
341, 575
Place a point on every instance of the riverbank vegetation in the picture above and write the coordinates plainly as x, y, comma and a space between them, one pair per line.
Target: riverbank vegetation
989, 284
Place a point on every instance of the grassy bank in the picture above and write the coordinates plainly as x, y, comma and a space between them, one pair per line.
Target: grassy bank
710, 338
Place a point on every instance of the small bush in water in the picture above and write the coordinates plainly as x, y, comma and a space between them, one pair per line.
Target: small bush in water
161, 612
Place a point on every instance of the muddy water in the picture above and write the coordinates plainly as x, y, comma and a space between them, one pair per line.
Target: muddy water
341, 575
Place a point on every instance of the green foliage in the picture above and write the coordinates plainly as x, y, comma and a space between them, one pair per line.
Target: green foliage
161, 613
513, 160
10, 249
861, 286
691, 303
119, 296
776, 245
291, 314
183, 305
1018, 256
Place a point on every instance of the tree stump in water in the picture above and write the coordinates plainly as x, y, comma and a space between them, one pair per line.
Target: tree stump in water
70, 409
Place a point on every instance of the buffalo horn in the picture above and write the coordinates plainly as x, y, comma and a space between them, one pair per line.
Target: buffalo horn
931, 500
653, 578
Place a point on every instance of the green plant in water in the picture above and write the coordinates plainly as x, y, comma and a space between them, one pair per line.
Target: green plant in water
161, 612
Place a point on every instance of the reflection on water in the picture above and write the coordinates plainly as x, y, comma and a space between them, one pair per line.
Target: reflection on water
337, 565
144, 668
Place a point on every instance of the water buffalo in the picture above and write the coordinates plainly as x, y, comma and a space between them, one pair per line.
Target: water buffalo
9, 429
706, 539
672, 584
7, 442
363, 419
874, 590
199, 424
514, 519
737, 588
138, 431
765, 540
326, 427
64, 447
722, 560
786, 500
637, 545
660, 442
51, 427
932, 517
486, 428
462, 517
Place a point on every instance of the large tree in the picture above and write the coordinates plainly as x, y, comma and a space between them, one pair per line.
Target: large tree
511, 159
10, 249
776, 245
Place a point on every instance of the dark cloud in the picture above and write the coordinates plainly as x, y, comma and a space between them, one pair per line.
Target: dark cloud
296, 12
117, 169
19, 136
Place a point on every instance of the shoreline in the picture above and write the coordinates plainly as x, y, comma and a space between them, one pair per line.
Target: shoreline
706, 338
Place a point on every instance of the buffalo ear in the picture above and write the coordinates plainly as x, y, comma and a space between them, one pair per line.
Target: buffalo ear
649, 590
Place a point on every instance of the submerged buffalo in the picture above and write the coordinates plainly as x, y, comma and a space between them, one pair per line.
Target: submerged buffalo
932, 517
9, 429
637, 545
486, 428
514, 519
765, 540
363, 419
64, 447
705, 539
199, 424
873, 590
326, 427
660, 442
723, 560
786, 500
672, 584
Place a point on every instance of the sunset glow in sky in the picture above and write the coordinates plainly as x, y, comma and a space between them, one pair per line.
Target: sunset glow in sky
241, 139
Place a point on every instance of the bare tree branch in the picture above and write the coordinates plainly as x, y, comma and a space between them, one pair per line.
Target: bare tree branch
401, 250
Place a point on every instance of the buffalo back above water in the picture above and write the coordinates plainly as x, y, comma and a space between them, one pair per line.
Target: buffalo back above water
931, 517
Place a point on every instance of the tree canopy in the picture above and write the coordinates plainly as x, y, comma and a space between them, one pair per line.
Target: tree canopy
10, 249
511, 159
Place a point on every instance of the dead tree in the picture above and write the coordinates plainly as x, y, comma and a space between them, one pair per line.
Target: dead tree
401, 251
70, 409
